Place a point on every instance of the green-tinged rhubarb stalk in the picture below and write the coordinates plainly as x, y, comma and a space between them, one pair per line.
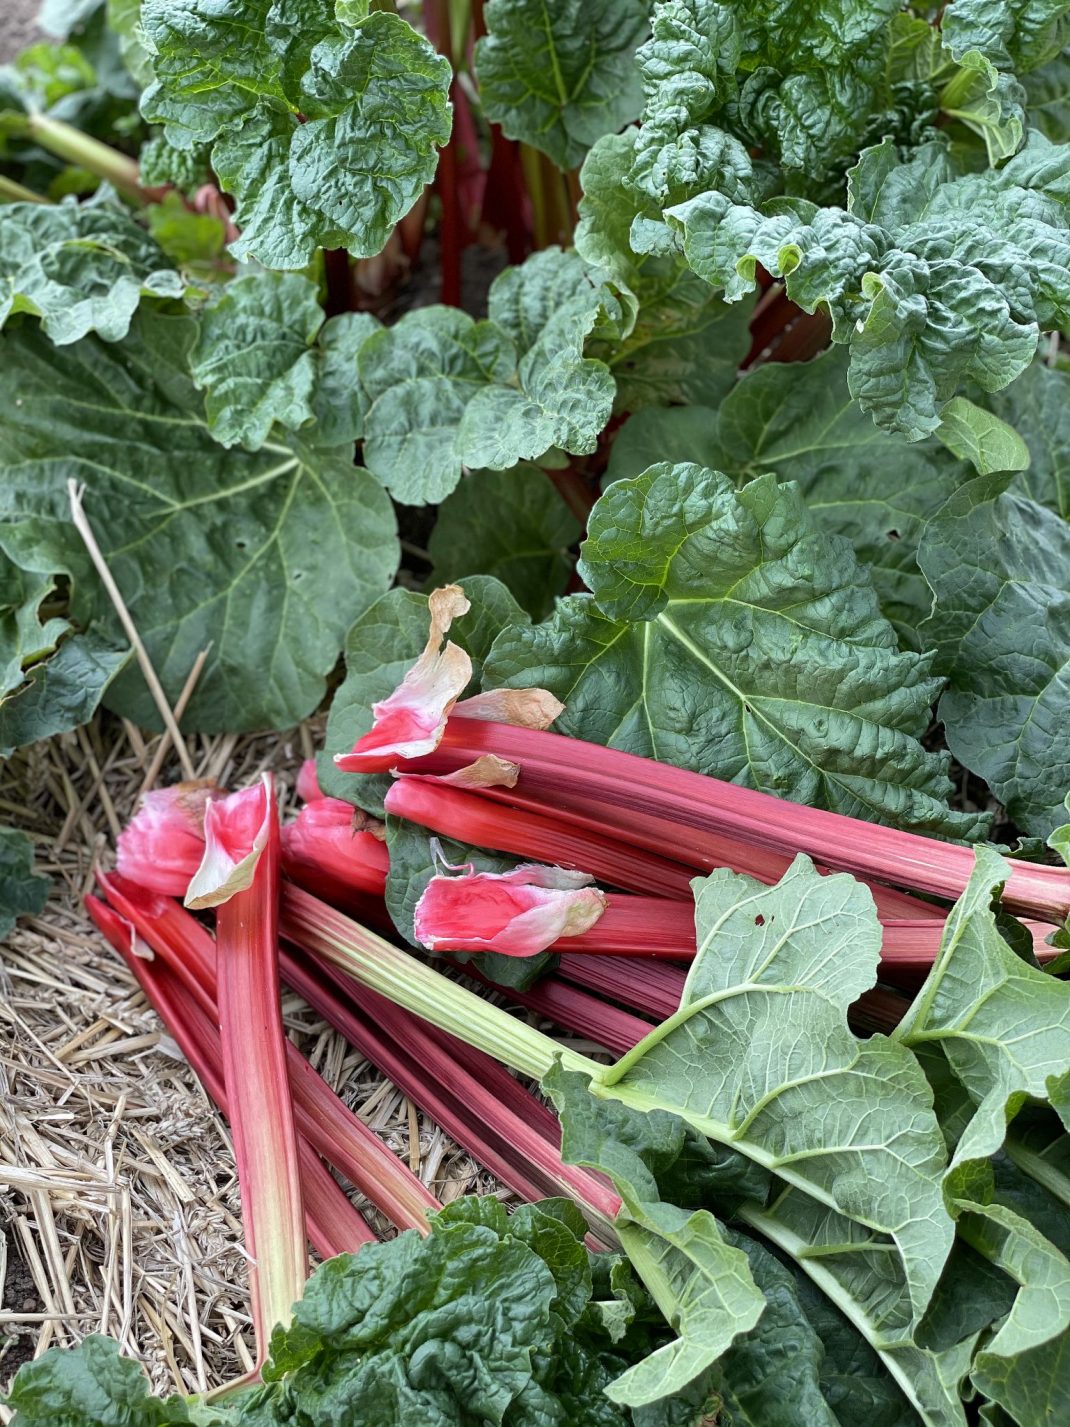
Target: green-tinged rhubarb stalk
69, 143
399, 977
239, 877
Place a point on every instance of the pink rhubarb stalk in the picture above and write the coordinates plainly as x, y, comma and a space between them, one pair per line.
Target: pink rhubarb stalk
517, 913
332, 1223
624, 791
339, 853
162, 845
463, 815
321, 1117
239, 877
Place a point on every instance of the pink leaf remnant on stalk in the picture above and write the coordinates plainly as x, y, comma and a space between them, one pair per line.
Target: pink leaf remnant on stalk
517, 913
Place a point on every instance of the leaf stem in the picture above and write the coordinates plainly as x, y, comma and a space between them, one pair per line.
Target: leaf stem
69, 143
12, 192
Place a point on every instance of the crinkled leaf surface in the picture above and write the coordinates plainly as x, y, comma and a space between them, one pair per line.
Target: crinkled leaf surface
23, 892
759, 1057
253, 358
446, 391
999, 566
1048, 98
701, 1282
509, 524
935, 278
1017, 34
871, 486
379, 648
266, 558
91, 1386
373, 93
1003, 1025
61, 692
703, 600
79, 268
339, 402
1038, 406
558, 74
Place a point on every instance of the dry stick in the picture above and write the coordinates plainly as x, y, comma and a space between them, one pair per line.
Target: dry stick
180, 708
75, 493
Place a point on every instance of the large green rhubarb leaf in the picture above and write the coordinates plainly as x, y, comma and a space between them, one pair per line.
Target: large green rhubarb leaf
862, 1307
242, 76
935, 278
263, 559
759, 1057
1038, 406
702, 597
999, 566
701, 1282
1015, 34
559, 74
1003, 1025
80, 268
23, 891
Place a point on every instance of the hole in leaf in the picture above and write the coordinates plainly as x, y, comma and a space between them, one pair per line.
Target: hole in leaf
759, 920
894, 535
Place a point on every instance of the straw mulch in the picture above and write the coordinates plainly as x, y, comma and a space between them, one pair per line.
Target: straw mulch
119, 1207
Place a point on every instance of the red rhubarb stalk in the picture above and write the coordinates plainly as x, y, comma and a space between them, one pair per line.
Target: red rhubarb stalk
624, 790
483, 1108
332, 1223
482, 822
574, 1010
332, 1128
239, 877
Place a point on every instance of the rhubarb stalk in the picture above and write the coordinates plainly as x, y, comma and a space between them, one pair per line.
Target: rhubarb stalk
333, 1225
321, 1117
239, 877
584, 780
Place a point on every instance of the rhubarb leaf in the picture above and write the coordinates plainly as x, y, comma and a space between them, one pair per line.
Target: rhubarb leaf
79, 268
558, 75
676, 434
509, 524
253, 358
859, 1273
1015, 34
1003, 1025
60, 692
1047, 91
934, 277
263, 560
379, 648
339, 402
448, 392
999, 566
373, 95
760, 1058
92, 1386
419, 376
23, 892
548, 307
702, 598
873, 487
1038, 406
701, 1283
